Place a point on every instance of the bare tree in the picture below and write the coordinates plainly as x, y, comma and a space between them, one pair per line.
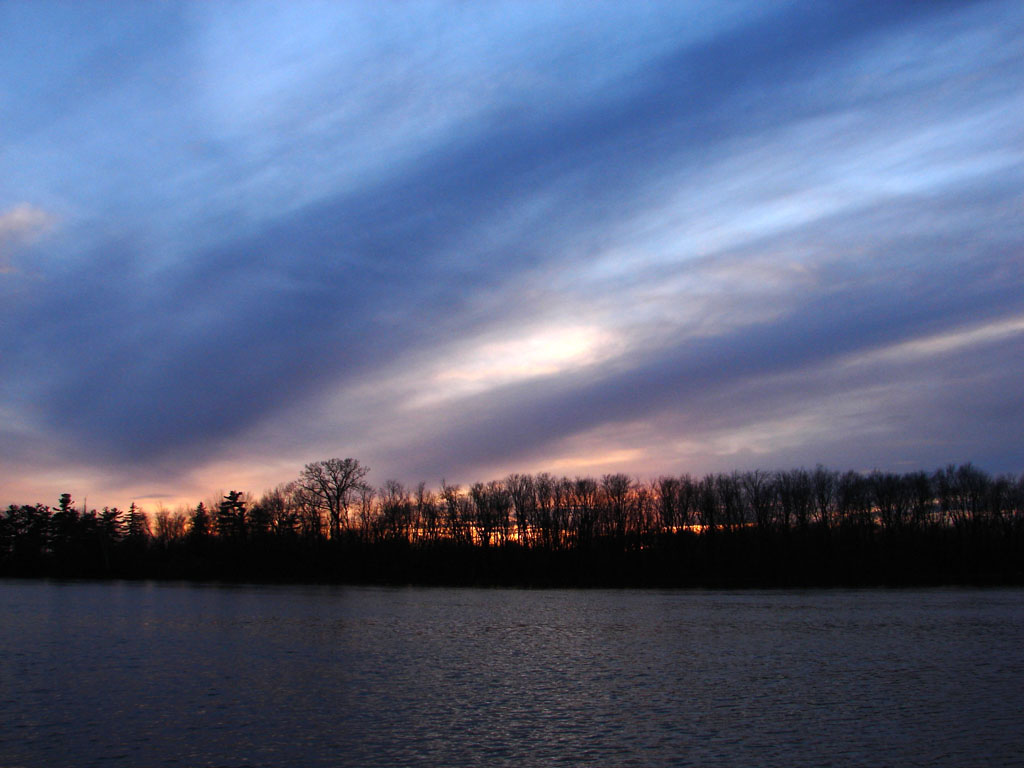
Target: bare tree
524, 500
545, 487
759, 493
687, 511
492, 507
278, 511
583, 503
643, 517
707, 504
922, 499
331, 485
853, 500
396, 510
427, 513
169, 527
668, 503
889, 497
368, 522
310, 516
961, 491
825, 483
452, 511
795, 494
615, 493
730, 500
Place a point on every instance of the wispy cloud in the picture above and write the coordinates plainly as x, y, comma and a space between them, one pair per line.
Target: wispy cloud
466, 239
19, 226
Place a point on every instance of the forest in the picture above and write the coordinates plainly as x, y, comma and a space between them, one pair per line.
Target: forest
798, 527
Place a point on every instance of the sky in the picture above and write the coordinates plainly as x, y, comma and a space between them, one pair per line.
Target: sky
457, 240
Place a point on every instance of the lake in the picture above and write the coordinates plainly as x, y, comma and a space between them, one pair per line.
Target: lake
158, 674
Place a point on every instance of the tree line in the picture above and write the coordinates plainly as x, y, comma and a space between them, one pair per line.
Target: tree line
954, 525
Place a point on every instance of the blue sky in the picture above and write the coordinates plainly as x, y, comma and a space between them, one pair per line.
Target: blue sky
462, 239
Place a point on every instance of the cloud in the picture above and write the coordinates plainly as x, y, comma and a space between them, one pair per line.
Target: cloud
23, 221
457, 255
875, 307
21, 225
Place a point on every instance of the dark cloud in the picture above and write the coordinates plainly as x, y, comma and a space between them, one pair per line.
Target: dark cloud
852, 312
134, 352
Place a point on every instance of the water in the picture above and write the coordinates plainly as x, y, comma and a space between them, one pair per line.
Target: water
128, 674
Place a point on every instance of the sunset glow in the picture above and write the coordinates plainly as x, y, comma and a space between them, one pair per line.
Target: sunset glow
495, 363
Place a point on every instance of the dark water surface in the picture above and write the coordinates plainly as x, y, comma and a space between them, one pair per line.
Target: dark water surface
130, 674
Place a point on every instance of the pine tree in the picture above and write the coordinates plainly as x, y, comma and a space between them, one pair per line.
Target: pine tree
231, 516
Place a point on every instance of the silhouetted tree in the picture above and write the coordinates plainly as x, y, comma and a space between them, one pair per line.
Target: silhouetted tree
395, 511
30, 527
956, 524
550, 530
687, 500
310, 515
795, 494
667, 504
427, 512
231, 516
137, 523
707, 504
853, 500
331, 485
450, 497
890, 499
583, 504
364, 509
112, 523
524, 505
169, 527
199, 524
730, 500
961, 491
824, 483
617, 490
922, 499
999, 502
759, 494
491, 508
63, 526
277, 513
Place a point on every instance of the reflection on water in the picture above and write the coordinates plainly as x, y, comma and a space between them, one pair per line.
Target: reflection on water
161, 675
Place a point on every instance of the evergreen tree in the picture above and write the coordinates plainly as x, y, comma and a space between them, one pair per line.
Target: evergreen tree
199, 523
112, 524
137, 524
231, 516
63, 524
